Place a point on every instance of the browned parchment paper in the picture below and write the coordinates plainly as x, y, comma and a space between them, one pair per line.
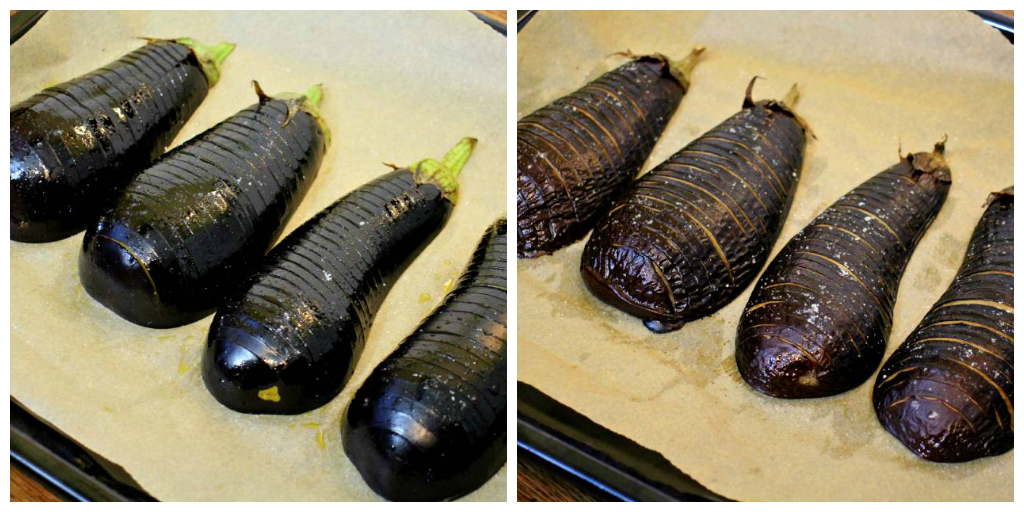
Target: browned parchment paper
398, 87
869, 80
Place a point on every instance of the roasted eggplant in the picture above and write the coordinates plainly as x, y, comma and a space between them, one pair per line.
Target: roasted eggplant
576, 154
818, 319
288, 339
429, 422
185, 231
75, 145
947, 392
690, 235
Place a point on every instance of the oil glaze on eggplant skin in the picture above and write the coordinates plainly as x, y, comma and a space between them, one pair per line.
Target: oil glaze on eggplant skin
576, 154
75, 145
818, 319
288, 340
947, 392
689, 236
429, 422
185, 231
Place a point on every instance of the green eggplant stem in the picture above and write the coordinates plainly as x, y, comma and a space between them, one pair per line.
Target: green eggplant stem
308, 102
210, 57
445, 173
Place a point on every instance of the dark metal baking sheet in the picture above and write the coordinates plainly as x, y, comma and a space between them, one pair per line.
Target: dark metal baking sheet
22, 22
610, 462
64, 467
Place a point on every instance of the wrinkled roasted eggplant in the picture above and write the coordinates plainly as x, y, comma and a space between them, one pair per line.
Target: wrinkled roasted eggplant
287, 341
686, 238
576, 154
187, 229
818, 319
429, 422
947, 392
75, 145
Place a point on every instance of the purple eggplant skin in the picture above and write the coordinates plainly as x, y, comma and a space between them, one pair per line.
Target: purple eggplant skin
576, 154
689, 236
189, 228
287, 340
75, 145
818, 319
947, 392
429, 423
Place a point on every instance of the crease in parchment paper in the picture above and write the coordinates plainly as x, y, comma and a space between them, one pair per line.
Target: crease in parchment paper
869, 82
393, 92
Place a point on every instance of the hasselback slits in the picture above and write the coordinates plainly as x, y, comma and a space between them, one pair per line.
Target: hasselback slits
947, 392
186, 230
429, 422
577, 153
288, 339
691, 234
818, 319
75, 145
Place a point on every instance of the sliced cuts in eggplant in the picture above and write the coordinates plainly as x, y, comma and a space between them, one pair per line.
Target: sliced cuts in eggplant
185, 231
818, 319
75, 145
430, 421
947, 392
686, 238
576, 154
288, 339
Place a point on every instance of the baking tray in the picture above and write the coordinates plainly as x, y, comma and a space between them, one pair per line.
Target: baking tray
65, 468
22, 22
608, 461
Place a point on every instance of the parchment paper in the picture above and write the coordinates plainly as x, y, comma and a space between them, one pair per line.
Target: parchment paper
869, 80
398, 87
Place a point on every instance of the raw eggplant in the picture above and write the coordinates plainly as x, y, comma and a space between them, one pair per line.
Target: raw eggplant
576, 154
690, 235
187, 229
75, 145
947, 392
429, 422
818, 319
288, 339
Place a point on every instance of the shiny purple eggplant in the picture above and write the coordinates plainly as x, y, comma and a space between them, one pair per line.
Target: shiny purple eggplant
75, 145
430, 421
185, 231
287, 340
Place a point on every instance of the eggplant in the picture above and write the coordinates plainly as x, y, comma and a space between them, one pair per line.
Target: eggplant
189, 228
429, 422
576, 154
690, 235
946, 393
818, 319
287, 340
75, 145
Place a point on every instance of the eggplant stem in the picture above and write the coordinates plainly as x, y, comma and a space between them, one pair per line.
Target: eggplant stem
627, 54
683, 68
932, 164
210, 57
309, 102
791, 97
748, 96
1006, 193
445, 174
